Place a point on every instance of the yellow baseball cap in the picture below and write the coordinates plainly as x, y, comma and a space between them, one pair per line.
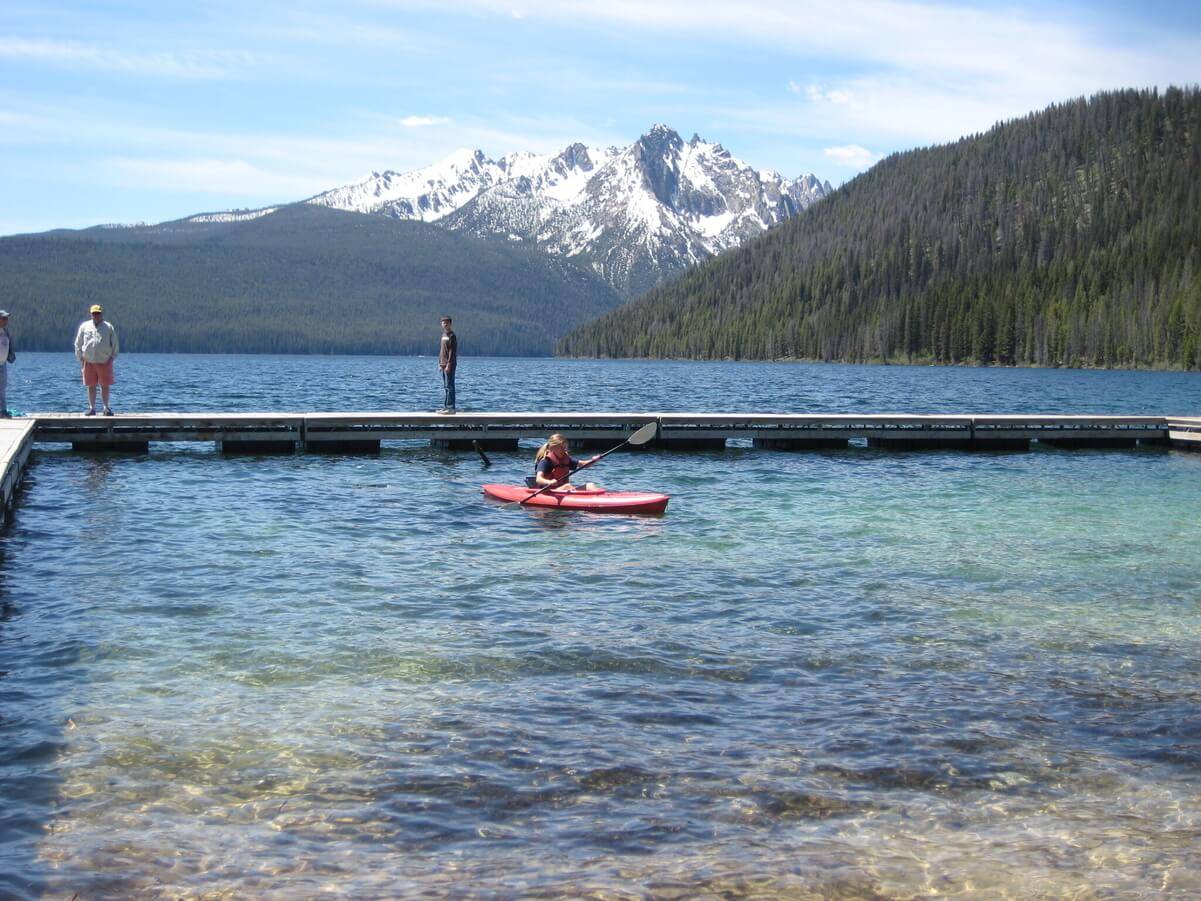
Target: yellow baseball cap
96, 308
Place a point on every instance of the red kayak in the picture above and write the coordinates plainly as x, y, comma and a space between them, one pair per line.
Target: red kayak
597, 501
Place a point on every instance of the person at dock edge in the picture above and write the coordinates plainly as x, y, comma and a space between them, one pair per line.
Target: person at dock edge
6, 356
448, 358
96, 348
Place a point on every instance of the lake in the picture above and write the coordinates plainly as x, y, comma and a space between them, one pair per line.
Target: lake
840, 673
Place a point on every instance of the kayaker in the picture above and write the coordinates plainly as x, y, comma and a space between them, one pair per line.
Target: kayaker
553, 462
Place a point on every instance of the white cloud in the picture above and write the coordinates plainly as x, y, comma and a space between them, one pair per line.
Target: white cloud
423, 121
920, 70
852, 156
114, 136
293, 24
927, 35
818, 94
73, 54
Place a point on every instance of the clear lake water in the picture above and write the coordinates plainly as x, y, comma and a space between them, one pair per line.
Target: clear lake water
838, 673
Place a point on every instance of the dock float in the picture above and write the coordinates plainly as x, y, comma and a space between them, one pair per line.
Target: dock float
263, 433
16, 443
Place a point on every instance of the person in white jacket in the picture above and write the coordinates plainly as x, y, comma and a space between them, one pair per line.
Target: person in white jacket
95, 349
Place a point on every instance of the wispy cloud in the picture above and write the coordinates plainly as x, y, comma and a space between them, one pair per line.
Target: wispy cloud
263, 166
934, 36
817, 94
206, 65
220, 177
423, 121
293, 23
911, 61
852, 156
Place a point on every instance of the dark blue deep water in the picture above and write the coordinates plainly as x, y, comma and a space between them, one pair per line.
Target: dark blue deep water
853, 673
40, 382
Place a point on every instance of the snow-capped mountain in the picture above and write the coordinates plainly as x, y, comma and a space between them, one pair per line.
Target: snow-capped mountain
635, 215
432, 193
427, 194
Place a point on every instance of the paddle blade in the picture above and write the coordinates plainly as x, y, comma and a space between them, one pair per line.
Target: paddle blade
644, 434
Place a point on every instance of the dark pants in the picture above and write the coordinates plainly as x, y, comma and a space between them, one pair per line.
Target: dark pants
448, 381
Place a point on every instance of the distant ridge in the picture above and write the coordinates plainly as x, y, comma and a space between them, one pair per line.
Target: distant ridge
297, 279
1068, 237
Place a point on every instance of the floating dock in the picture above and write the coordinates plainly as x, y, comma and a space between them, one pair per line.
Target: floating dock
364, 432
290, 433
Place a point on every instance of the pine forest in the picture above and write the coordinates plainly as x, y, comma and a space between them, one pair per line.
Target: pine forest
1070, 237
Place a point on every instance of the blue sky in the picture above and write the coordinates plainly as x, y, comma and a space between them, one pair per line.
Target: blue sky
140, 111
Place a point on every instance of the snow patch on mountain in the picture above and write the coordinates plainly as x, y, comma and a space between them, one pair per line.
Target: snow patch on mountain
427, 194
233, 215
635, 215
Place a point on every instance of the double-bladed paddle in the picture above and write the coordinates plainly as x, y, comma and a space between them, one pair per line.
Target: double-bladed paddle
639, 438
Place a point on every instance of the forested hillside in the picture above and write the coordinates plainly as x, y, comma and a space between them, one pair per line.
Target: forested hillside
303, 279
1069, 237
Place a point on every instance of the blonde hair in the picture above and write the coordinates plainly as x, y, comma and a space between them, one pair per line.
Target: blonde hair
555, 440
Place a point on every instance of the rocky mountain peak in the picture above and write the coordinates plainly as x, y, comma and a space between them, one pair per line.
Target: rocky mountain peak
634, 215
576, 156
661, 140
657, 156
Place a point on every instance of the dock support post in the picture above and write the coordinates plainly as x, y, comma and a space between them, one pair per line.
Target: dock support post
1000, 444
466, 444
604, 444
1089, 443
340, 446
111, 447
688, 444
801, 444
905, 444
257, 447
963, 444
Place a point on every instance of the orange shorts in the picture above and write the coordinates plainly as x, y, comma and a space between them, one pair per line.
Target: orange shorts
98, 374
